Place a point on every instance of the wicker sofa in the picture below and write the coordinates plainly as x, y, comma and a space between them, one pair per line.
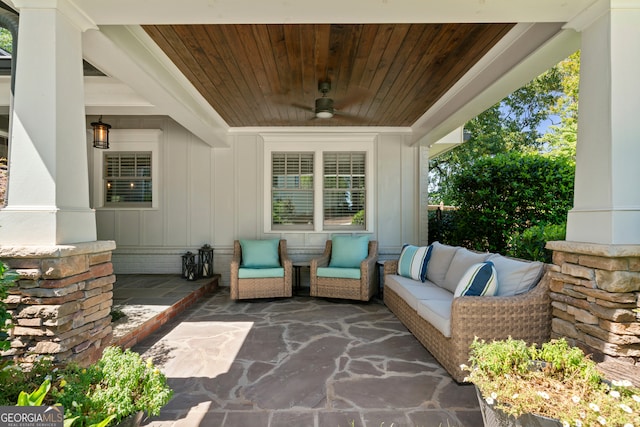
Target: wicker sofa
446, 326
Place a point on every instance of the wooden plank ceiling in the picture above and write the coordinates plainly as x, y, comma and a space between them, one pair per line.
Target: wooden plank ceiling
380, 74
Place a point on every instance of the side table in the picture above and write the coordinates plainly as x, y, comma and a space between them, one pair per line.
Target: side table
380, 265
297, 267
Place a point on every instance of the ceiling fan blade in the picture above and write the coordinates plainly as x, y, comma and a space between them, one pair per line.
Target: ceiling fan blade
354, 96
351, 118
301, 106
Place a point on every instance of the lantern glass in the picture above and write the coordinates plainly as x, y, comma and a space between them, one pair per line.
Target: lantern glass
187, 258
192, 271
100, 134
205, 261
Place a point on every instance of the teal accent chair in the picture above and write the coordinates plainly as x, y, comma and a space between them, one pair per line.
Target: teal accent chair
271, 280
344, 282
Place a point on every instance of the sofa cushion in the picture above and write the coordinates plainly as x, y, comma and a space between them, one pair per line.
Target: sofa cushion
413, 262
348, 251
339, 272
437, 313
441, 256
479, 280
514, 276
462, 260
260, 253
412, 291
260, 273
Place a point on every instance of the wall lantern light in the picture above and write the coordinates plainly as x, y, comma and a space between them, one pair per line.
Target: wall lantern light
100, 134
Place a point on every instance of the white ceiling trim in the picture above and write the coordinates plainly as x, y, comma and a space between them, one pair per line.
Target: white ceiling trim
127, 12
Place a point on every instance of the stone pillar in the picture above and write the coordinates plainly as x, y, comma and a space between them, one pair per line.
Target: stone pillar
596, 299
61, 306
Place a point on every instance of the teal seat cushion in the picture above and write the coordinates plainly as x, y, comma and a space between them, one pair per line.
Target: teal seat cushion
339, 272
260, 253
348, 251
260, 273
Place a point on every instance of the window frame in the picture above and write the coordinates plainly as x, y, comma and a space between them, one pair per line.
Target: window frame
318, 144
127, 140
285, 227
326, 191
136, 177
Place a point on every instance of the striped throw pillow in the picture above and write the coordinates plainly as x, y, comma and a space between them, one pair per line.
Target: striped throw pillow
480, 279
413, 262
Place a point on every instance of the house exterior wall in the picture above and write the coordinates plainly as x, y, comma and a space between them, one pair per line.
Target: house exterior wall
215, 195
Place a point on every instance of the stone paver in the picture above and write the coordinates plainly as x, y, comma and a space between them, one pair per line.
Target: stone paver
301, 362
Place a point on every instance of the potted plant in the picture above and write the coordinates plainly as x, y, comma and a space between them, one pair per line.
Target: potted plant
117, 390
550, 385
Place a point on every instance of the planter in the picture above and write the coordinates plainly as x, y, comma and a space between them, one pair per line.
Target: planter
494, 417
133, 420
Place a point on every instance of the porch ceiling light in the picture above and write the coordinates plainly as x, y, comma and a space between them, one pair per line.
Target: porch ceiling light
100, 134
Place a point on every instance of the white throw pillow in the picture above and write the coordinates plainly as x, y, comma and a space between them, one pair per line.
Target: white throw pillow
462, 260
441, 256
516, 277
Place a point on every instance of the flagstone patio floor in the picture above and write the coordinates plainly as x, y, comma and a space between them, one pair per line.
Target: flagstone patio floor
298, 361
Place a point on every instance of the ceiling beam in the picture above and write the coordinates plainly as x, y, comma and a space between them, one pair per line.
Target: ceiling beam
128, 55
525, 53
127, 12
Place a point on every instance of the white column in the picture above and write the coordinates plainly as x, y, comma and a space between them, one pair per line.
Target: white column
607, 187
423, 185
48, 193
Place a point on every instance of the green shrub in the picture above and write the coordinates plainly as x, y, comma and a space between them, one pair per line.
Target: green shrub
442, 226
7, 280
119, 384
498, 196
530, 243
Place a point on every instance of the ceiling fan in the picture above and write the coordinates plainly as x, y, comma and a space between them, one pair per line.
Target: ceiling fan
326, 108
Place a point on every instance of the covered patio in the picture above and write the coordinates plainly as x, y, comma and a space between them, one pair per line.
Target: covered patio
294, 362
210, 179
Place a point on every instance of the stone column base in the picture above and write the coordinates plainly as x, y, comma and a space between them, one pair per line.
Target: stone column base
61, 306
596, 299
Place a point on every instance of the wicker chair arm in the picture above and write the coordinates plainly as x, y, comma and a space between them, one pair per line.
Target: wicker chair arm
285, 261
323, 260
237, 256
391, 267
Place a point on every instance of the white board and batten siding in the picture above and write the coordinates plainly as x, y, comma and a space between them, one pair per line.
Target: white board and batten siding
215, 195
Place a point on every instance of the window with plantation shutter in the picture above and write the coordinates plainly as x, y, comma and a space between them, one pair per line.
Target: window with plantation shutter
292, 190
344, 190
127, 179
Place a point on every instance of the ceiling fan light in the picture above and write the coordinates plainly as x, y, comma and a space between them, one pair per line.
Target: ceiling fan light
324, 108
324, 114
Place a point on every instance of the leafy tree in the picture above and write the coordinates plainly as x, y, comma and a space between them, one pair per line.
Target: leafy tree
562, 136
498, 196
512, 124
5, 40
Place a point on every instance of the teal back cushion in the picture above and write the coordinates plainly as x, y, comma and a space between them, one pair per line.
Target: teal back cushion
348, 251
260, 253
